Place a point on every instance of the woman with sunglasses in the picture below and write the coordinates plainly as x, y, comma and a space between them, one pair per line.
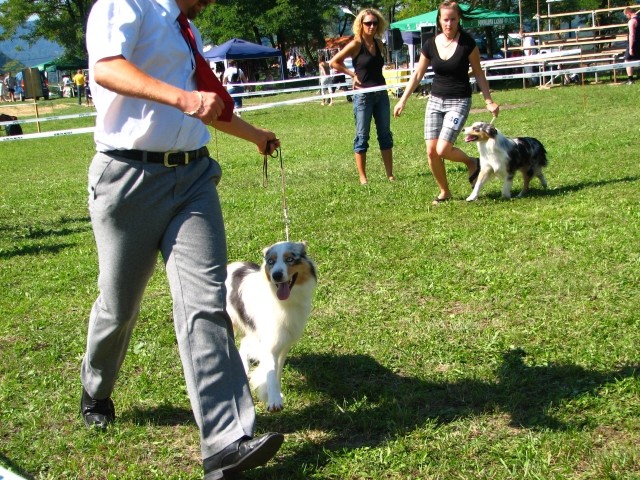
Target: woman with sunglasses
366, 51
450, 53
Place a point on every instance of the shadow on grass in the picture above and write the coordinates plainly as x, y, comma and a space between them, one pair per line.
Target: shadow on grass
38, 232
363, 404
23, 250
43, 231
366, 404
160, 415
537, 191
7, 463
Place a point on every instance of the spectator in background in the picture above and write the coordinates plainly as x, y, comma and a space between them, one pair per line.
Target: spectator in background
291, 65
79, 81
366, 51
2, 96
233, 78
633, 48
67, 89
301, 66
10, 87
87, 90
268, 79
325, 83
528, 42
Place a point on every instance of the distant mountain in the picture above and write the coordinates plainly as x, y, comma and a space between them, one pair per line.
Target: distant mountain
39, 52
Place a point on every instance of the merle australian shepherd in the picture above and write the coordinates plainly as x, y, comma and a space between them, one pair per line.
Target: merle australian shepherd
503, 157
269, 306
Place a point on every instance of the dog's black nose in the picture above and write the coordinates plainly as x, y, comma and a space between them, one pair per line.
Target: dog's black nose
277, 276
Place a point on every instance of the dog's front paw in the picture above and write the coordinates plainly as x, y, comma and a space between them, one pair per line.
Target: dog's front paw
472, 198
275, 407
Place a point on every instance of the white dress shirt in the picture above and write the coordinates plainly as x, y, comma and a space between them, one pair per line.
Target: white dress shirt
146, 33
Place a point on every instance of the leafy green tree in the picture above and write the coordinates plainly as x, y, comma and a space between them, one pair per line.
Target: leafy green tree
61, 21
286, 23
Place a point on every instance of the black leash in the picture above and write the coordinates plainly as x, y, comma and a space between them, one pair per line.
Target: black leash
277, 153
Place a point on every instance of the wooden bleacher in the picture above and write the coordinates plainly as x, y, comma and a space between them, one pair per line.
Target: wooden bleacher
541, 33
598, 35
597, 44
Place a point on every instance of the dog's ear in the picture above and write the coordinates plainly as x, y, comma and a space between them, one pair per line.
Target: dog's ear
265, 250
304, 246
491, 130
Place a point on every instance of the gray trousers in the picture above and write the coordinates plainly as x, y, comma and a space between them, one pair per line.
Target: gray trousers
137, 210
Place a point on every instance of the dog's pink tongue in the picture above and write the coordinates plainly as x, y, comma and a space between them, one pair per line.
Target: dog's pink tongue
283, 291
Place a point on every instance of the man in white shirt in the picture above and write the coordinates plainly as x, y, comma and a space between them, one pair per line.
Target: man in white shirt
233, 78
152, 188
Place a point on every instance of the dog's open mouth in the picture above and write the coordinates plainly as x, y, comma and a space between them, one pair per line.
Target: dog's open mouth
471, 138
284, 289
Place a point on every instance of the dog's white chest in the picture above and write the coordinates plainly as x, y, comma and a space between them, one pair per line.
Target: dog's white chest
493, 157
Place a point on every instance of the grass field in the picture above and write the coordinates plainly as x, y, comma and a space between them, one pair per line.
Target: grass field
493, 340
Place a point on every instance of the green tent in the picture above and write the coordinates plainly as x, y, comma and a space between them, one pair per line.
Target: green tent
479, 17
62, 63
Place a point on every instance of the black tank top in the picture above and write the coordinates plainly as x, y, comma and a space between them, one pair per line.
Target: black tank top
636, 42
368, 67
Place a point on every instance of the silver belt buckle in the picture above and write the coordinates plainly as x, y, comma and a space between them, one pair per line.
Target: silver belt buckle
172, 165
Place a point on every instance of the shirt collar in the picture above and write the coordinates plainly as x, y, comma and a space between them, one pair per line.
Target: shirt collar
171, 7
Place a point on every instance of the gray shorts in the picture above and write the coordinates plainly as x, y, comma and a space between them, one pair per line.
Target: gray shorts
444, 118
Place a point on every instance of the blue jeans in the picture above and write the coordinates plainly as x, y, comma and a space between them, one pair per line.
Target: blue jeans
237, 101
366, 106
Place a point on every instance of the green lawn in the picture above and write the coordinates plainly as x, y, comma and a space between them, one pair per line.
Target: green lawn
498, 339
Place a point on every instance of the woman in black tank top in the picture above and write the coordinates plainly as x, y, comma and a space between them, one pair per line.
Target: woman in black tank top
366, 51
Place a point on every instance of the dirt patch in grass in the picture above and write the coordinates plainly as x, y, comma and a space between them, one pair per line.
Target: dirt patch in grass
28, 109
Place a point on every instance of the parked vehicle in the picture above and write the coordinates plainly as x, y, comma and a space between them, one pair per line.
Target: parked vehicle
33, 84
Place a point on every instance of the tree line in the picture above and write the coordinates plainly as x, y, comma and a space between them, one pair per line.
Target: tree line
302, 24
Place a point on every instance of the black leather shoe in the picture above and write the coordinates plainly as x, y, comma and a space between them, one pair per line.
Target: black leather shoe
245, 454
96, 413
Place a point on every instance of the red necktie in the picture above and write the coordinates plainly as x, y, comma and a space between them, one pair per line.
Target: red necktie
205, 78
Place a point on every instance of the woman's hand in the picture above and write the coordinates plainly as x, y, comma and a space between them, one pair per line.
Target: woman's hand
397, 110
493, 108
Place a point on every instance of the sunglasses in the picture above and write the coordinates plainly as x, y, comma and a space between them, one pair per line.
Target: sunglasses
370, 24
